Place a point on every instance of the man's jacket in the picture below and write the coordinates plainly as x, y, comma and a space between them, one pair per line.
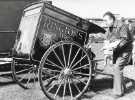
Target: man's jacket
120, 31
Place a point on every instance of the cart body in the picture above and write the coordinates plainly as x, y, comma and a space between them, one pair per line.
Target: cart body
52, 41
43, 24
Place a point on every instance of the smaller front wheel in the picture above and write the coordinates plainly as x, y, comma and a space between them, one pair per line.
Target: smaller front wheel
65, 71
24, 74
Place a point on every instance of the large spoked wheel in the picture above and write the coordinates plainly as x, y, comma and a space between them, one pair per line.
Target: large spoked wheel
24, 74
65, 71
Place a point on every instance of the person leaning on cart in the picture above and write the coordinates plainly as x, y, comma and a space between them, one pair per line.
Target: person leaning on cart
117, 30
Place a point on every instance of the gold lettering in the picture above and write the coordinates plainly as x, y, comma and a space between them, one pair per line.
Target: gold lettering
60, 29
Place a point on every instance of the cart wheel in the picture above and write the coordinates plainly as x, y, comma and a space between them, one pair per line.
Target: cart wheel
24, 74
65, 71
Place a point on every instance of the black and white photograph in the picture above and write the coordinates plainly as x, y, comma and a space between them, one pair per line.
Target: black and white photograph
67, 50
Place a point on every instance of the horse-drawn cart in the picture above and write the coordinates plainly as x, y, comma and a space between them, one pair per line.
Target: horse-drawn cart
51, 42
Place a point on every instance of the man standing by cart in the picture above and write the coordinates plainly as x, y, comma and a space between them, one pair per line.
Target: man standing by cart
117, 30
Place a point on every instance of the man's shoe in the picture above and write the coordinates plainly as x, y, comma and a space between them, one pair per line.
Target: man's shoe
115, 96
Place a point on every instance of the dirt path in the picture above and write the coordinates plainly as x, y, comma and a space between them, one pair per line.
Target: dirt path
99, 91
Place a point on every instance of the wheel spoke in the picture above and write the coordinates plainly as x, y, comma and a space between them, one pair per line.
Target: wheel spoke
80, 80
76, 86
80, 73
79, 61
63, 52
29, 78
35, 72
58, 58
52, 87
53, 64
34, 76
74, 57
69, 84
65, 83
23, 77
24, 70
46, 69
34, 80
69, 54
60, 83
52, 77
80, 67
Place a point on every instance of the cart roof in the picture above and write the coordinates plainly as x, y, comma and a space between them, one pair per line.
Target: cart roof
70, 18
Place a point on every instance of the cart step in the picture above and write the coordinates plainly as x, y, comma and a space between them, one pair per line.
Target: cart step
97, 60
98, 71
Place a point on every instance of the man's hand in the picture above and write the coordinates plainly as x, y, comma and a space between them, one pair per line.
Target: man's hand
94, 35
111, 46
91, 35
115, 43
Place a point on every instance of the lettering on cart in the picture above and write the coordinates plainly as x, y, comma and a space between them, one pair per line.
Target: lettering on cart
64, 31
54, 30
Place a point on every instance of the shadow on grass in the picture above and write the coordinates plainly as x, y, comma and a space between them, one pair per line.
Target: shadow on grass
130, 88
103, 86
97, 86
6, 80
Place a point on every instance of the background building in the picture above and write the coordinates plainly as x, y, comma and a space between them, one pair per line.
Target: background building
10, 15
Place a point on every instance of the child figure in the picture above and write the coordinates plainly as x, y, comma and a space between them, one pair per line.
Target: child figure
108, 51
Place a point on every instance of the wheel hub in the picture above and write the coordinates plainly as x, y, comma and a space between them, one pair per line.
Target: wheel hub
67, 71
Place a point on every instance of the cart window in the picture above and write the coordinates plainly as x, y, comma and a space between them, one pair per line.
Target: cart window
27, 32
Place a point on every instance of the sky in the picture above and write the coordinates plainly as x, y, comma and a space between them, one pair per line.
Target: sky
96, 8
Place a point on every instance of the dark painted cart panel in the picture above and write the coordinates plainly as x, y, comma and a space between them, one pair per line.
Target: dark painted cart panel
52, 31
